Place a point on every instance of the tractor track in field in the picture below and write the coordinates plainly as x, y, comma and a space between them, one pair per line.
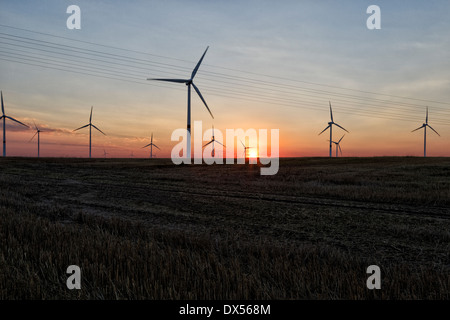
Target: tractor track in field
417, 211
384, 207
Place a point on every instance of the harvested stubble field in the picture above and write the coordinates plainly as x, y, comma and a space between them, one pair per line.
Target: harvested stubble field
147, 229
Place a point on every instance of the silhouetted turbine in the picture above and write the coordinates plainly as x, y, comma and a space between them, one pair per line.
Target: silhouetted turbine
212, 141
90, 125
338, 145
37, 133
189, 83
4, 117
330, 126
151, 144
424, 126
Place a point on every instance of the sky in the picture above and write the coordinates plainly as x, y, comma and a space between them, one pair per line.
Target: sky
270, 65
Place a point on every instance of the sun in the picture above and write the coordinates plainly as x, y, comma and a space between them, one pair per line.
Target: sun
253, 154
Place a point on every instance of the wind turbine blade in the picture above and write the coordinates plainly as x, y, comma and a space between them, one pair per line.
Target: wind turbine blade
198, 64
208, 143
340, 149
331, 112
82, 127
426, 119
219, 143
201, 97
90, 118
3, 108
324, 130
99, 130
242, 144
433, 130
17, 121
156, 146
146, 146
171, 80
35, 125
33, 136
340, 126
418, 128
341, 138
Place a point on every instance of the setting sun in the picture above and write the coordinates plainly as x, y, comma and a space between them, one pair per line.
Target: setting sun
253, 154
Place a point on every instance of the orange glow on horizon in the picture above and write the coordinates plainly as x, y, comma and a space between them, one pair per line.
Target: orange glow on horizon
253, 154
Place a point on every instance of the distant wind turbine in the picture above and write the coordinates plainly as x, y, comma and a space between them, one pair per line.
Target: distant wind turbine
212, 141
90, 125
338, 145
4, 117
105, 153
131, 154
188, 83
424, 126
245, 149
151, 144
38, 131
330, 126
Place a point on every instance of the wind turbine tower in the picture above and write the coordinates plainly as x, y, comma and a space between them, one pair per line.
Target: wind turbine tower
330, 126
189, 82
245, 149
151, 144
4, 117
338, 145
424, 126
38, 131
213, 139
90, 125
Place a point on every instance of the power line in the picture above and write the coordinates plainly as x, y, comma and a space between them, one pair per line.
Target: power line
229, 69
173, 67
260, 87
218, 92
215, 90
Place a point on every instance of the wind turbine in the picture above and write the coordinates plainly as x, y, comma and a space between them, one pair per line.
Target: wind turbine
4, 117
90, 125
245, 149
338, 145
189, 83
38, 131
212, 141
151, 144
424, 126
105, 153
330, 126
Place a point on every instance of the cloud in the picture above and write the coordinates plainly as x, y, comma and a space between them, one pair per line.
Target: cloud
16, 127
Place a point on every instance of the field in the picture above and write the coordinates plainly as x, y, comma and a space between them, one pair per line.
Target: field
147, 229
